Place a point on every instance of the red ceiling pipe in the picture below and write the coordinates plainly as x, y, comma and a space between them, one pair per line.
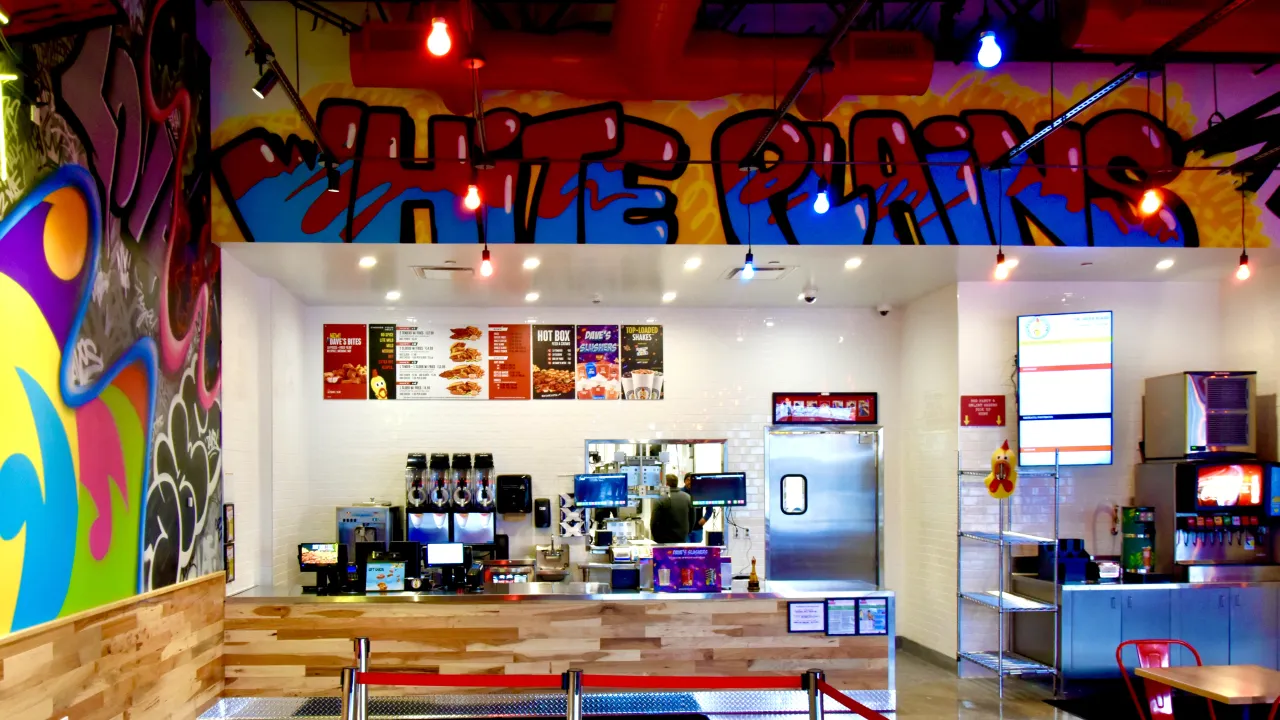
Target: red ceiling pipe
1138, 27
653, 54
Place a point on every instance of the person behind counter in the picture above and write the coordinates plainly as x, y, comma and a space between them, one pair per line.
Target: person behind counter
697, 519
671, 516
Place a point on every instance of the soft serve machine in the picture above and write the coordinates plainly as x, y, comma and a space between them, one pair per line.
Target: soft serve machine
1217, 506
450, 499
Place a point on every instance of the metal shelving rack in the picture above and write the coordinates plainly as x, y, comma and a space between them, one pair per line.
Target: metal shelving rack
1001, 661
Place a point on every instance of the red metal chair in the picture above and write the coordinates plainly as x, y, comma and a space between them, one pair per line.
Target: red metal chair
1154, 653
1275, 710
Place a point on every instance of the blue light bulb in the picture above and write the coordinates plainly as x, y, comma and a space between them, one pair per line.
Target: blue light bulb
989, 52
822, 203
749, 267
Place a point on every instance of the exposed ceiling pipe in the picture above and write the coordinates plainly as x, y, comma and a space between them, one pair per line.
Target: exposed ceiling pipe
1138, 27
754, 159
1155, 61
259, 45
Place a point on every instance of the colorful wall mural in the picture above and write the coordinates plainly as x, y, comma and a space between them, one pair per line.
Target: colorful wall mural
110, 419
578, 171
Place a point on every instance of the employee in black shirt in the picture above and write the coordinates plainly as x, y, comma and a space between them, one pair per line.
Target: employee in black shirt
697, 518
670, 520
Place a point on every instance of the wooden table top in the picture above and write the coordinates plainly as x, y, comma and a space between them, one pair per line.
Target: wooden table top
1227, 684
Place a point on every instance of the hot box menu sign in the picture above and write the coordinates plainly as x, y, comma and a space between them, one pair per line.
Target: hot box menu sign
382, 362
509, 358
436, 363
597, 368
642, 376
346, 362
552, 363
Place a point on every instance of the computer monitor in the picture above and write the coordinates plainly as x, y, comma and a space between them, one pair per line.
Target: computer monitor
446, 554
365, 550
316, 557
719, 489
600, 490
473, 528
384, 577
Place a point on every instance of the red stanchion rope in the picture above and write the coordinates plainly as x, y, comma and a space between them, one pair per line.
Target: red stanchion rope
668, 682
433, 680
854, 706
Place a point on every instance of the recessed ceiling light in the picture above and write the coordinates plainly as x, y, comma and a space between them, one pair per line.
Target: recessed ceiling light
531, 263
531, 297
393, 295
800, 296
740, 338
651, 320
853, 263
368, 261
1164, 264
693, 263
768, 322
668, 296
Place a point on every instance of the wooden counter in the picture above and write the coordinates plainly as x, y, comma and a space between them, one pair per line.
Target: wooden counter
296, 646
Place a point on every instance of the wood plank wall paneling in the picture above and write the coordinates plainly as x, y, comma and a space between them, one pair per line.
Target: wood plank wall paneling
298, 648
157, 655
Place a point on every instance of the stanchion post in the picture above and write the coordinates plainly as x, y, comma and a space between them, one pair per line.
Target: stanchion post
361, 645
810, 682
573, 695
350, 694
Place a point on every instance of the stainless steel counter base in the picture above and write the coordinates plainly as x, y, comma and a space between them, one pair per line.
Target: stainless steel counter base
716, 705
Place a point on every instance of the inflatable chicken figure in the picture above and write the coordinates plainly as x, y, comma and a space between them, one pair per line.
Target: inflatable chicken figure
1004, 472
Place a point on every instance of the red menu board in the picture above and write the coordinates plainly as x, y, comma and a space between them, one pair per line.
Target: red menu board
346, 362
826, 408
509, 356
982, 411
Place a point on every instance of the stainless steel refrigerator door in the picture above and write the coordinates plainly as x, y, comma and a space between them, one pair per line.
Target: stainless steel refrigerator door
831, 534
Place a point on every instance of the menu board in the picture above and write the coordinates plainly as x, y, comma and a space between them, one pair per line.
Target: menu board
642, 362
857, 616
1064, 389
597, 370
382, 362
436, 363
552, 364
826, 408
345, 362
509, 357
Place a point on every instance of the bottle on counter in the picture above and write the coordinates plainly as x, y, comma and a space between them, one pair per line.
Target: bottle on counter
753, 581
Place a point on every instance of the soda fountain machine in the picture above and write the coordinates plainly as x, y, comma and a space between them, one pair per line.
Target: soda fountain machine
473, 517
427, 498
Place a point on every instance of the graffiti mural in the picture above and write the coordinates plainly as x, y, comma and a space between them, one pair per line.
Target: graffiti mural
110, 456
900, 171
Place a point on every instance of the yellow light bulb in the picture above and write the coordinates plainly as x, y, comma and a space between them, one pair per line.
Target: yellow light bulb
438, 42
472, 200
1151, 202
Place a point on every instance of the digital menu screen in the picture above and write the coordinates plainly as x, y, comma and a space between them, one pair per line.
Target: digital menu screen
1273, 491
1223, 486
719, 489
384, 577
601, 490
1065, 398
318, 554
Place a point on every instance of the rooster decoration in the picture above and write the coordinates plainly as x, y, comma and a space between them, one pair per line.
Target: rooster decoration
1004, 472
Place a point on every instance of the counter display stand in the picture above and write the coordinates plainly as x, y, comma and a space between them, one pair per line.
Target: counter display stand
1001, 660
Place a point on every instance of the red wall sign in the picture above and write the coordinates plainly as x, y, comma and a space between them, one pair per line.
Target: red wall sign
826, 408
346, 362
982, 411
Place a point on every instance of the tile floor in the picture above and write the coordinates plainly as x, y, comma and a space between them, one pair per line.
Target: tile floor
929, 692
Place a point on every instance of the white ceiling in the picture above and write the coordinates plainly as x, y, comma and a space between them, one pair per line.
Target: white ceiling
637, 276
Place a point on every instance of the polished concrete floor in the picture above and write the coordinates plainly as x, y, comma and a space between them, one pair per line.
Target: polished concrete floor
929, 692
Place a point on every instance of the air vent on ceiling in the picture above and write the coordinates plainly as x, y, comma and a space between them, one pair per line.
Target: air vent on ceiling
763, 272
442, 272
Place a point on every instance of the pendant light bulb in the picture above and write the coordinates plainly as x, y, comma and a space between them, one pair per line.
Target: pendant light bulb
486, 265
472, 200
822, 203
989, 52
1243, 272
1151, 202
438, 42
749, 267
266, 83
1002, 267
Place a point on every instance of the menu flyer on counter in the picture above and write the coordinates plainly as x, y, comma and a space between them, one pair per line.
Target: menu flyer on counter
346, 362
552, 365
382, 362
597, 371
642, 362
439, 363
509, 358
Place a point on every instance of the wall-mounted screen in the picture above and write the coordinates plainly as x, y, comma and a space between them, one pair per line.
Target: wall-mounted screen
600, 490
719, 489
1223, 486
1065, 392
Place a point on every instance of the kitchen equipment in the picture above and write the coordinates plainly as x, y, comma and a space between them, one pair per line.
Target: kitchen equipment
686, 569
371, 521
542, 513
1137, 538
1108, 572
460, 480
485, 483
438, 491
824, 493
1191, 415
1071, 557
505, 572
551, 562
515, 494
1210, 513
415, 491
428, 527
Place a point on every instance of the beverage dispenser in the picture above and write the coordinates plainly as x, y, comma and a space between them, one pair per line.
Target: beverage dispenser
485, 487
461, 480
439, 495
428, 520
415, 490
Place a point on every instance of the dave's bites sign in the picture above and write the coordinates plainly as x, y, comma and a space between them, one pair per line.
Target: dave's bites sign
346, 362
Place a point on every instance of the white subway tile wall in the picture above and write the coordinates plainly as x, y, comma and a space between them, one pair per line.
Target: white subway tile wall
1251, 341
